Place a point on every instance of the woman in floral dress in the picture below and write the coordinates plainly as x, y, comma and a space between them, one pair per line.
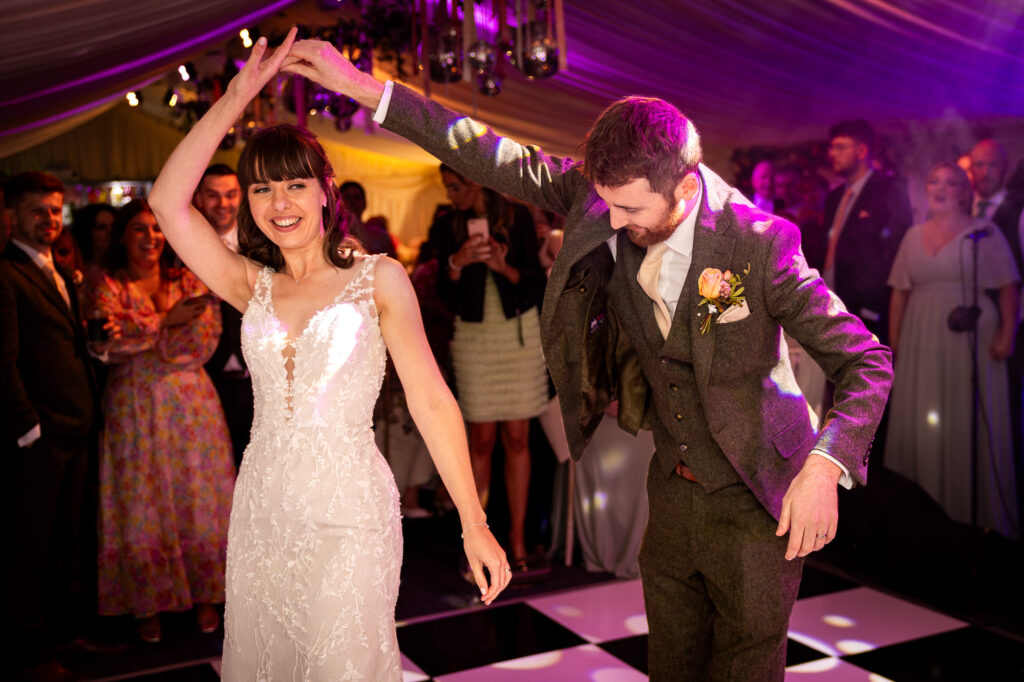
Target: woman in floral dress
166, 469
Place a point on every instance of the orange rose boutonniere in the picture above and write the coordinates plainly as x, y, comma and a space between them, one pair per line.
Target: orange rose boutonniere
720, 291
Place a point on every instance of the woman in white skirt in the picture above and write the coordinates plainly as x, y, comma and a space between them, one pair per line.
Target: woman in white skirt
490, 277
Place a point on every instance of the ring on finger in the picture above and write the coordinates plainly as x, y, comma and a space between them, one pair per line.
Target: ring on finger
822, 535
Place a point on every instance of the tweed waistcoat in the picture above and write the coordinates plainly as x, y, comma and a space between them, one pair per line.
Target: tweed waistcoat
681, 431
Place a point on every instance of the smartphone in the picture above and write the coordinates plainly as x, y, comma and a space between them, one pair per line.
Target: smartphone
477, 226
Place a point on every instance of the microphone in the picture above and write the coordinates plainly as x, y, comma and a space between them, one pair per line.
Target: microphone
980, 233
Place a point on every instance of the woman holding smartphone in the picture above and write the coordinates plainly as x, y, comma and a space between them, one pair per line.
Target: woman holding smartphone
166, 469
490, 277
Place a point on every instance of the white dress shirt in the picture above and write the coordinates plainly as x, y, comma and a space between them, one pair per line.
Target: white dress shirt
230, 238
675, 266
44, 263
993, 205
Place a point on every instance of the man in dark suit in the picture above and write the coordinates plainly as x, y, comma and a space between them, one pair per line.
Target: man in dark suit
218, 197
738, 464
994, 201
47, 411
373, 236
866, 218
762, 179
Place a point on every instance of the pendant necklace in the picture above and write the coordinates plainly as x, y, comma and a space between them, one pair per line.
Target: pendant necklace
301, 278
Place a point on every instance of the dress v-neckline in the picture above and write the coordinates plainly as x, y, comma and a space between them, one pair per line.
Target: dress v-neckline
290, 342
958, 237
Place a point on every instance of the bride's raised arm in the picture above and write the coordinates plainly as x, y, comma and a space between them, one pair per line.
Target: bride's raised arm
192, 237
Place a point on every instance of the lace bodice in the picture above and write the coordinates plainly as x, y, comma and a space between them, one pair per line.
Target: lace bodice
337, 359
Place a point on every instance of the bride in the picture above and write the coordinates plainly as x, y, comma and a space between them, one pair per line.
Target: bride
314, 542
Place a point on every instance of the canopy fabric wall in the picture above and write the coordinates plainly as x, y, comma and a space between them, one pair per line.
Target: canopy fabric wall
127, 144
747, 72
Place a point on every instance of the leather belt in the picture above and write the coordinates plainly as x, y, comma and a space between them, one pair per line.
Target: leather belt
683, 471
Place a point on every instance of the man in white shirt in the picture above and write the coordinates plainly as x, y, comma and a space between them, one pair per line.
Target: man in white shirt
991, 199
218, 197
866, 218
994, 202
48, 408
740, 485
763, 182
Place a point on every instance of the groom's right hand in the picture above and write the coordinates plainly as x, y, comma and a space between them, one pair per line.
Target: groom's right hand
321, 63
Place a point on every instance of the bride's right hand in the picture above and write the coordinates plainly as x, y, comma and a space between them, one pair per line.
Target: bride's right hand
256, 73
483, 551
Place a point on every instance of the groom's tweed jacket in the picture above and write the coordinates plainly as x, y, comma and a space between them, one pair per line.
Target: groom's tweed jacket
601, 341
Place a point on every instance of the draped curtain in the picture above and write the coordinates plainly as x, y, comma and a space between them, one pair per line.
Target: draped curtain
747, 72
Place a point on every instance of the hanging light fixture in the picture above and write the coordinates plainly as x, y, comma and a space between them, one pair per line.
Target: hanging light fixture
539, 53
445, 40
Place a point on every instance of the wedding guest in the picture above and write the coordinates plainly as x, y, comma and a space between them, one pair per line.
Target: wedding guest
166, 473
490, 278
218, 197
763, 182
929, 438
91, 228
47, 417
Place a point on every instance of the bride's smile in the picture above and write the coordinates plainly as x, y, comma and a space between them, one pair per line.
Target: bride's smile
288, 212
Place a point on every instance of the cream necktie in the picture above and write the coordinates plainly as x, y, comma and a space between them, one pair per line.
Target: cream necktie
58, 281
647, 277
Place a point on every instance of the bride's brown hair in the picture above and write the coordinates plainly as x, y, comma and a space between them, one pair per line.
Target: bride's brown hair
288, 152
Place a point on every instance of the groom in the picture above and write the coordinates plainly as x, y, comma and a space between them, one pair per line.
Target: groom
670, 295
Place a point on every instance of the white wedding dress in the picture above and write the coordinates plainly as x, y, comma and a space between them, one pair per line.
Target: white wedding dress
315, 541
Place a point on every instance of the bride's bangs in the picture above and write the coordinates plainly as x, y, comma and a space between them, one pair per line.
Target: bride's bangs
284, 152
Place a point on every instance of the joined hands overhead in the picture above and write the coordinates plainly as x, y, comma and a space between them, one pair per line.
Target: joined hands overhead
321, 63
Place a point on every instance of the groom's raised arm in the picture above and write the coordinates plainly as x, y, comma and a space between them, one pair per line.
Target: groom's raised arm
471, 148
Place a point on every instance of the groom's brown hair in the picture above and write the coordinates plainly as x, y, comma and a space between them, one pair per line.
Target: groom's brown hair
641, 137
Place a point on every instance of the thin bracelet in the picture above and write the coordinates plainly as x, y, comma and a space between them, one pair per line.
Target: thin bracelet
452, 264
463, 534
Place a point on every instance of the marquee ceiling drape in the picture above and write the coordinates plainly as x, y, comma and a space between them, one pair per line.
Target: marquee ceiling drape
747, 72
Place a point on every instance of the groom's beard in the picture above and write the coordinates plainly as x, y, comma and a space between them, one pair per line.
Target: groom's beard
662, 229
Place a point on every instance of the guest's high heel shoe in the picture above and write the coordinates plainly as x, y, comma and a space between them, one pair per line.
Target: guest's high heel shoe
149, 629
207, 618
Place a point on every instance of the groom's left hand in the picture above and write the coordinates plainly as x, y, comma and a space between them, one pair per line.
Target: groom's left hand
810, 509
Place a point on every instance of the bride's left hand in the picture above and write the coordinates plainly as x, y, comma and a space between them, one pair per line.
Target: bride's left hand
483, 550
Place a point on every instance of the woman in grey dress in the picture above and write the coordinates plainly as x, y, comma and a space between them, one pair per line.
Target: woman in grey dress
930, 424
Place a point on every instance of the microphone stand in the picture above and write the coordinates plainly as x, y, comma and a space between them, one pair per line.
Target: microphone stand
972, 341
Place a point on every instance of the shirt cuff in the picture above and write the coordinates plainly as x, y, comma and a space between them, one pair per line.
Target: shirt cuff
385, 102
31, 437
103, 357
845, 480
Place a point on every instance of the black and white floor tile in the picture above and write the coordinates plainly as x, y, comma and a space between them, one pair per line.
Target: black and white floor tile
839, 632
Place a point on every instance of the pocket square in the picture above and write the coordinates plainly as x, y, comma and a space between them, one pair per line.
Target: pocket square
734, 314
